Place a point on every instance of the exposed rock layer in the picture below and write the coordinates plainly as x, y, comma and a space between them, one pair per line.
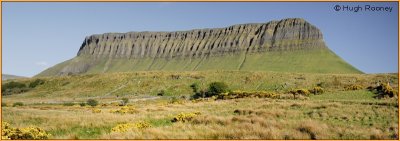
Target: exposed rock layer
287, 34
290, 45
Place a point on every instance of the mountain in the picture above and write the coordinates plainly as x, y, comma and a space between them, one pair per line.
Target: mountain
8, 76
288, 45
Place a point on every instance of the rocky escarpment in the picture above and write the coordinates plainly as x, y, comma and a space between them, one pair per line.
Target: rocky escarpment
287, 34
291, 45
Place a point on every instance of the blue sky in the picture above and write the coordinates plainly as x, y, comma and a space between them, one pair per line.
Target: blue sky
39, 35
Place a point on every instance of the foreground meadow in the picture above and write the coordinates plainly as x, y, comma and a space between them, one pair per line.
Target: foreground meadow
167, 112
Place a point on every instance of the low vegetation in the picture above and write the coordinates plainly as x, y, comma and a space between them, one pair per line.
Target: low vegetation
125, 110
185, 117
129, 126
92, 102
28, 133
257, 105
18, 104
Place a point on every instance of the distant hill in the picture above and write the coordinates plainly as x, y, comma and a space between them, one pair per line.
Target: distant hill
288, 45
8, 76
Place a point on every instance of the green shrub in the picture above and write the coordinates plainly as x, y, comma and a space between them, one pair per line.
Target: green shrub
216, 88
92, 102
353, 87
3, 104
317, 90
125, 101
82, 104
18, 104
12, 84
175, 100
195, 87
13, 88
36, 83
68, 104
200, 94
161, 93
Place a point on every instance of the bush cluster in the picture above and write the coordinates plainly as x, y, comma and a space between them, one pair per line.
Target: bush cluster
185, 117
295, 92
18, 87
125, 110
68, 104
82, 104
35, 83
175, 100
316, 90
92, 102
18, 104
161, 93
353, 87
300, 92
13, 88
385, 90
244, 94
128, 126
214, 89
28, 133
124, 101
96, 111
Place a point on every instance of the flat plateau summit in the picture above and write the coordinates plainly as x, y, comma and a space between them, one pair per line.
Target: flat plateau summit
287, 45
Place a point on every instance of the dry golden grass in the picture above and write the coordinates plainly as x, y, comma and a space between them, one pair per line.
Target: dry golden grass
248, 118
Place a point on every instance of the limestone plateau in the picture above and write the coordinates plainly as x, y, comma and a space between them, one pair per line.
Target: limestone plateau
289, 45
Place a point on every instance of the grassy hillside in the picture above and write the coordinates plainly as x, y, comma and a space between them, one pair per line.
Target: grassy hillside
8, 76
149, 83
309, 61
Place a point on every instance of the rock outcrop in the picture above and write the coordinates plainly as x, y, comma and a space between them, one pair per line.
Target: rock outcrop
258, 47
287, 34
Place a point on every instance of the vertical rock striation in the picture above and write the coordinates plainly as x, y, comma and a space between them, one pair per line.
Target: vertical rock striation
257, 47
287, 34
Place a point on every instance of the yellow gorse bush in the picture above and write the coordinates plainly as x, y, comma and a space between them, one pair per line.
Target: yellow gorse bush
184, 117
353, 87
300, 91
317, 90
28, 133
244, 94
129, 126
386, 90
125, 110
96, 111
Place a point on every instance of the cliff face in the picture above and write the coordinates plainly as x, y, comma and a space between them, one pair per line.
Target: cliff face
291, 45
288, 34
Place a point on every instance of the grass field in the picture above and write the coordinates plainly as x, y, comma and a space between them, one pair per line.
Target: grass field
335, 114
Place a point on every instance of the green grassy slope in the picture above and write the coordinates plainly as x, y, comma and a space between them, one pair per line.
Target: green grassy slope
176, 83
308, 61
